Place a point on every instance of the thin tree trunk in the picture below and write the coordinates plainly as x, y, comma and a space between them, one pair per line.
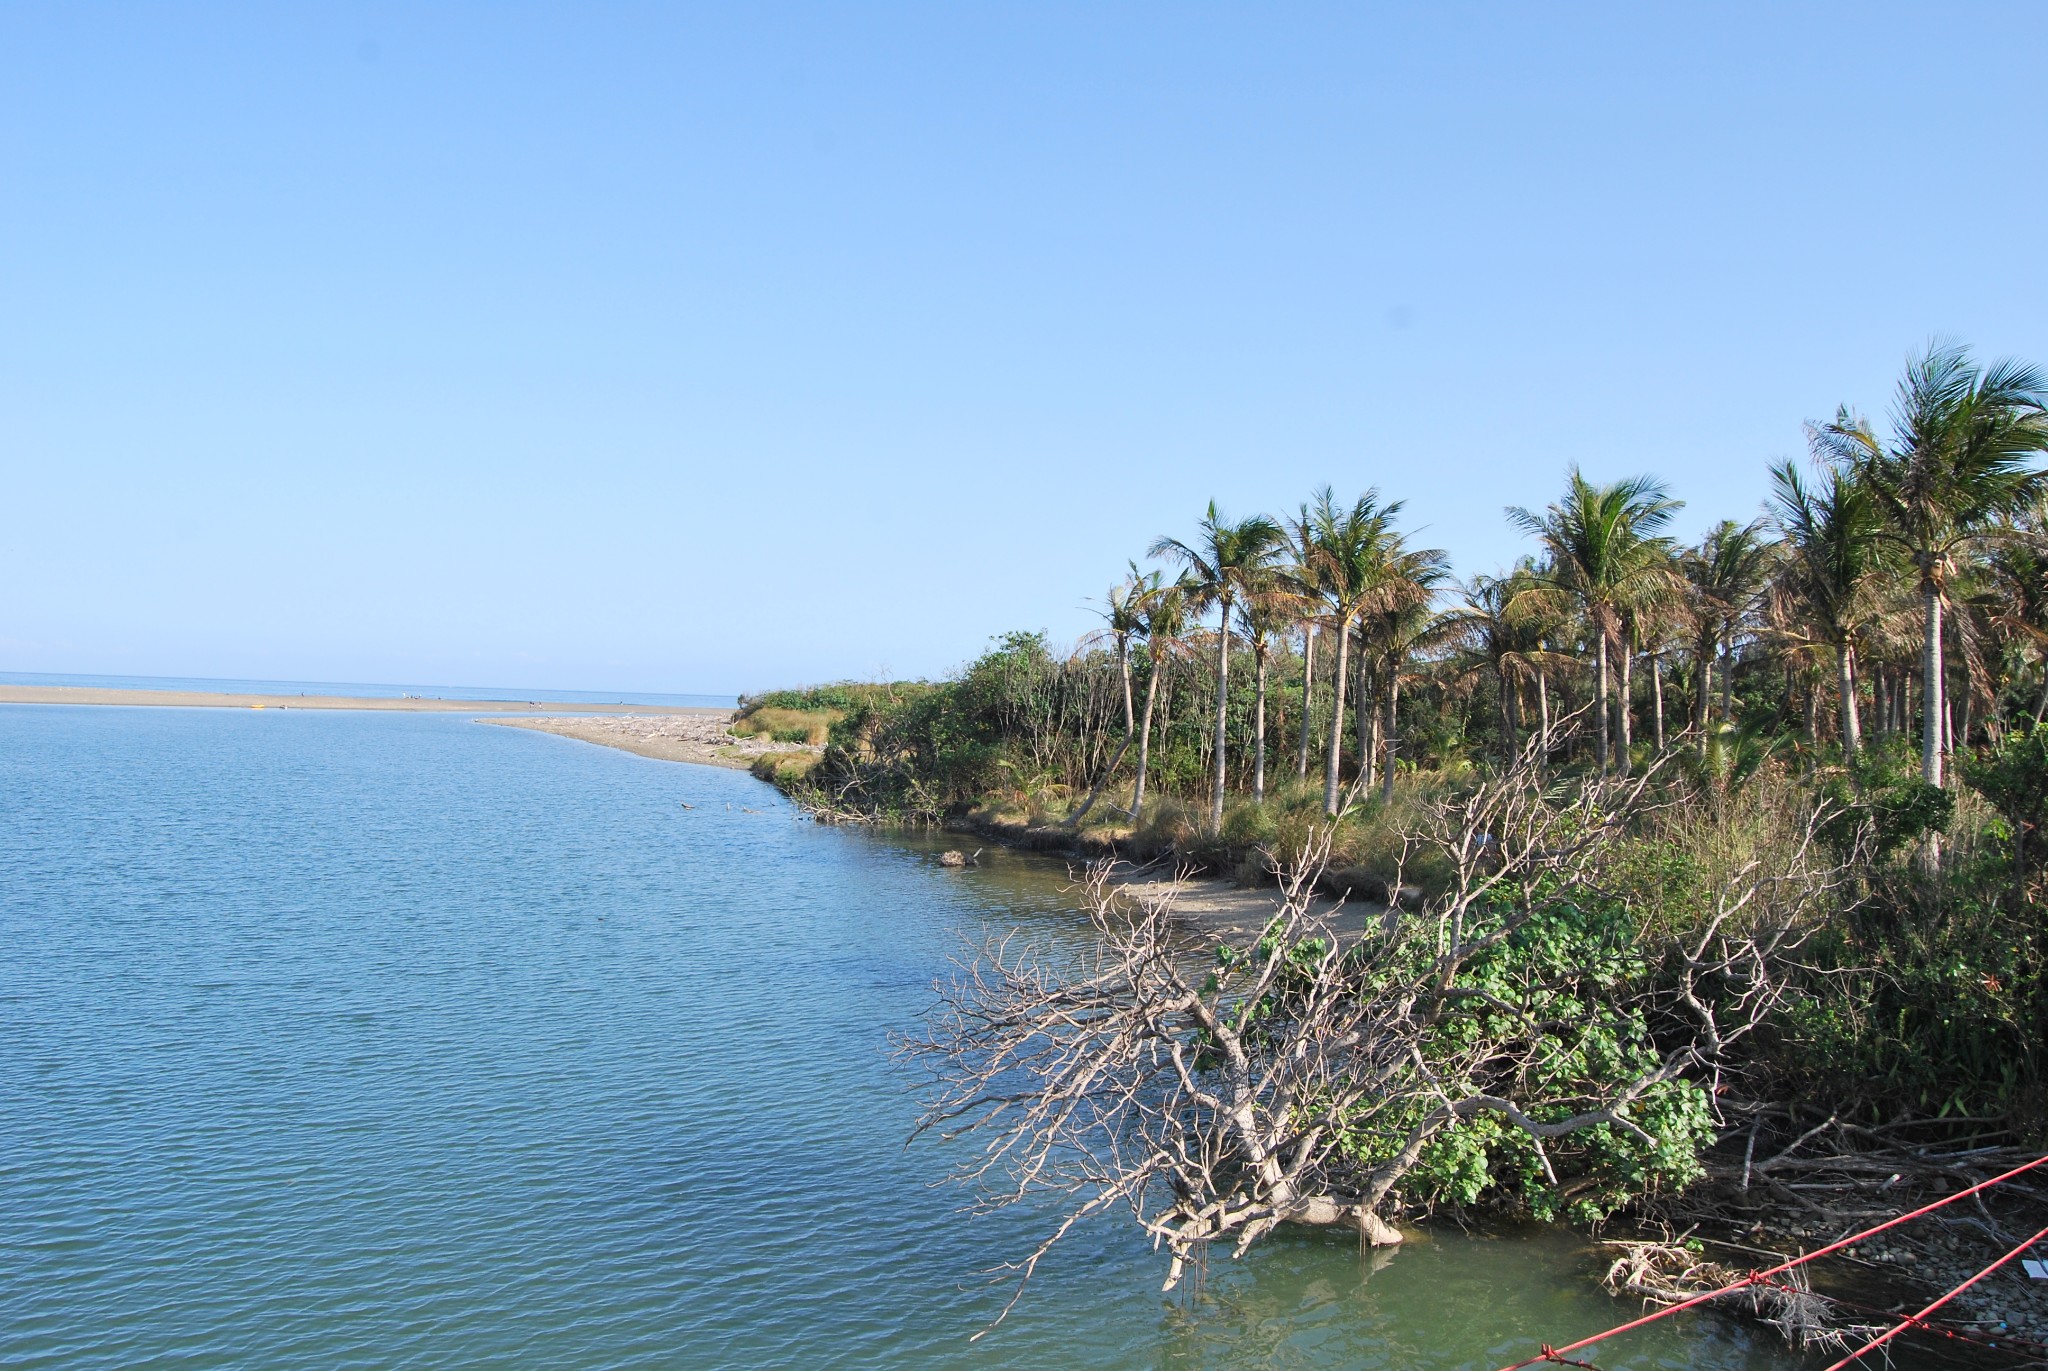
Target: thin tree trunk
1217, 767
1145, 735
1657, 696
1543, 717
1703, 667
1259, 736
1330, 762
1812, 723
1368, 727
1728, 678
1123, 662
1393, 733
1603, 713
2041, 706
1511, 733
1308, 681
1933, 714
1625, 707
1845, 686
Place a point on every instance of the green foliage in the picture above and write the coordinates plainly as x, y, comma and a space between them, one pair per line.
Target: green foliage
1930, 1000
842, 697
2014, 777
1558, 988
1894, 810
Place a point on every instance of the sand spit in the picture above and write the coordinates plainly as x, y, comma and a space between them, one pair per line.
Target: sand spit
1223, 911
698, 736
203, 699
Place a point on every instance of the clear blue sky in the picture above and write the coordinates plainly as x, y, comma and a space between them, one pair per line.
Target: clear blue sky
706, 348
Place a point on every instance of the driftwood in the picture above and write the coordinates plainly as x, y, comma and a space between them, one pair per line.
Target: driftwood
1672, 1270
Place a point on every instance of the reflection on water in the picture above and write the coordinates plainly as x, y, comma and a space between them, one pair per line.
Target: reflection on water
391, 1040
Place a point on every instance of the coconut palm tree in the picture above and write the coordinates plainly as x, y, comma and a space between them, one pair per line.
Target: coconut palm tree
1724, 574
1964, 441
1830, 534
1164, 608
1301, 572
1654, 625
1349, 567
1222, 566
1606, 549
1123, 618
1411, 624
1652, 601
1401, 624
1271, 608
1502, 636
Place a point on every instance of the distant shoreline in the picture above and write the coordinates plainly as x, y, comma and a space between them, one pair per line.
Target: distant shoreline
210, 699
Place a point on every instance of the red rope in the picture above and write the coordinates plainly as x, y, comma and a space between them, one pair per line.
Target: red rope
2002, 1341
1551, 1355
1881, 1339
1559, 1359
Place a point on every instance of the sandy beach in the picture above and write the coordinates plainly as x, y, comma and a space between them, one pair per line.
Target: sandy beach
201, 699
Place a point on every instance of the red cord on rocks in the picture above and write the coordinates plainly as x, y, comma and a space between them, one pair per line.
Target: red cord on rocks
1555, 1355
1881, 1339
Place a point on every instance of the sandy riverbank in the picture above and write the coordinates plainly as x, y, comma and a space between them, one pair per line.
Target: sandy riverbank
698, 736
203, 699
1223, 911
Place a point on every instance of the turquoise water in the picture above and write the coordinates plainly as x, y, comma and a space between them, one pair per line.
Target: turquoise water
350, 1040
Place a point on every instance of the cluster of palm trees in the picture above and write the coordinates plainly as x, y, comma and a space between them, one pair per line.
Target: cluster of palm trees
1903, 573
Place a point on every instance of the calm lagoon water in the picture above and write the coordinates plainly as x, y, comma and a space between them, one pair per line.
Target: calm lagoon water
359, 690
350, 1040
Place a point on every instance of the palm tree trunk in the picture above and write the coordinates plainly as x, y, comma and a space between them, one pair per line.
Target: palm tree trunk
1308, 681
1259, 736
1145, 736
1543, 717
1703, 667
1728, 676
1603, 713
1393, 733
1509, 726
1933, 711
1123, 663
1624, 707
1336, 720
1812, 721
1368, 728
1217, 770
1657, 696
1845, 685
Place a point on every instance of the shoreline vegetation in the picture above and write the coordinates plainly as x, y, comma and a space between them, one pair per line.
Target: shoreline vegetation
1717, 867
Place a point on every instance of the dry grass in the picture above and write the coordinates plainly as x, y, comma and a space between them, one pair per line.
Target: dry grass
811, 726
784, 768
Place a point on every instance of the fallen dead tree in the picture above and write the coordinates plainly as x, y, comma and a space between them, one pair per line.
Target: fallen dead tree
1518, 1035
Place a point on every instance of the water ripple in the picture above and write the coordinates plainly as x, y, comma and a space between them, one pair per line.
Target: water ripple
334, 1040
